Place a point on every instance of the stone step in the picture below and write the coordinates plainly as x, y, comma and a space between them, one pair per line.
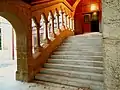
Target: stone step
94, 85
84, 40
83, 53
85, 46
73, 74
77, 62
77, 57
81, 44
80, 48
86, 37
96, 41
75, 68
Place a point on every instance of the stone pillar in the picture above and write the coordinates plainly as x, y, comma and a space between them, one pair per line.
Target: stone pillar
63, 26
70, 23
24, 58
49, 29
58, 25
46, 32
66, 21
111, 42
53, 31
73, 24
39, 48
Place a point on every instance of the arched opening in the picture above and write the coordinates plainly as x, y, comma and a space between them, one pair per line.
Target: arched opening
7, 40
8, 52
34, 36
42, 30
88, 16
22, 44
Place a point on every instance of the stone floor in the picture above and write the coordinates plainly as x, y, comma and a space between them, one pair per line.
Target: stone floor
8, 82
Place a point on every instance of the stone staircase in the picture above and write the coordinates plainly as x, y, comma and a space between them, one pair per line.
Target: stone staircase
78, 62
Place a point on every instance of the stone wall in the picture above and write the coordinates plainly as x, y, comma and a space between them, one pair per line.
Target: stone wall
111, 34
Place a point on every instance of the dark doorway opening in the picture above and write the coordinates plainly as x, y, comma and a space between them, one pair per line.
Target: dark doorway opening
95, 22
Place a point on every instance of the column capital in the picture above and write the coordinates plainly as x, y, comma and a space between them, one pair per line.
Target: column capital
62, 12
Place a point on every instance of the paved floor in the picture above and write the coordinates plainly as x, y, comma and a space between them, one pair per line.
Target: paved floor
8, 82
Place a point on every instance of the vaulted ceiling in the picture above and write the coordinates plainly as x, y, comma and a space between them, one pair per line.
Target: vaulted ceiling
71, 2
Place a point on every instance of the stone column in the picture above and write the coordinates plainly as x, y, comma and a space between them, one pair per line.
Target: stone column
58, 25
24, 58
63, 26
69, 22
111, 42
46, 32
66, 21
39, 48
53, 31
72, 24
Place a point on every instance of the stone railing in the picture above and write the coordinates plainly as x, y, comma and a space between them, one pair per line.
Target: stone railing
51, 23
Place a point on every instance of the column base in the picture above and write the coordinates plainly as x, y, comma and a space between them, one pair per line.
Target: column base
59, 30
39, 49
63, 28
47, 41
22, 76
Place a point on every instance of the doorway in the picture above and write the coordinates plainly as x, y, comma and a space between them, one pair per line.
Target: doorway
95, 22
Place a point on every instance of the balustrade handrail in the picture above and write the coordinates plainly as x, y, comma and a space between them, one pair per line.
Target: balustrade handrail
57, 23
63, 16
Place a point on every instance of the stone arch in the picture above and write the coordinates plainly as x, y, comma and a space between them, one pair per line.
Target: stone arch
18, 14
35, 20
